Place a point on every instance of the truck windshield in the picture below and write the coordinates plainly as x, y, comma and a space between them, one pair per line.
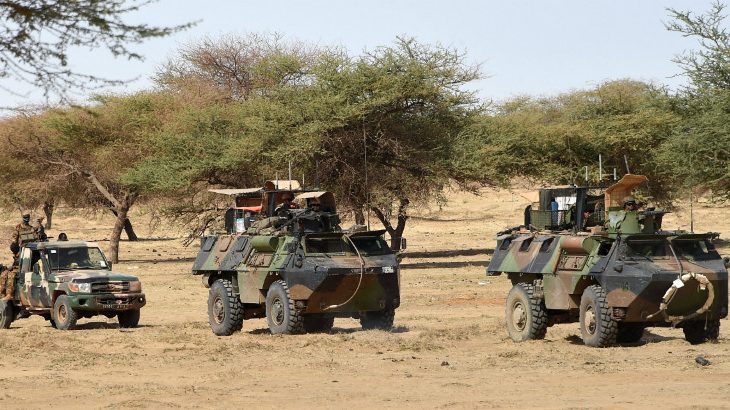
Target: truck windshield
694, 250
76, 258
651, 249
371, 245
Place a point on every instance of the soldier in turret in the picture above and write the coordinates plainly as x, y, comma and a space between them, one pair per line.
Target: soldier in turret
630, 204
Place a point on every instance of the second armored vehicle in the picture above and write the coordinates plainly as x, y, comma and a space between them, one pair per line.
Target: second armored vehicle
599, 261
285, 258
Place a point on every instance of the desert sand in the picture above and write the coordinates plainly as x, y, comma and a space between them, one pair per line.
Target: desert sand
449, 348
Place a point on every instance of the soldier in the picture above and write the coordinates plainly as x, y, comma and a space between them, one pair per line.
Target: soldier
40, 229
23, 234
630, 204
7, 282
284, 207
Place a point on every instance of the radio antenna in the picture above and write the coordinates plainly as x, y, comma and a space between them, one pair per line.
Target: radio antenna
367, 192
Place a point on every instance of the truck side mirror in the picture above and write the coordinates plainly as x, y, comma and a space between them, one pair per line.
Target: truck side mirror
109, 265
403, 243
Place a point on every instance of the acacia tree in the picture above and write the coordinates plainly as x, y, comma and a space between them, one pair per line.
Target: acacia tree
89, 150
696, 156
404, 106
552, 139
36, 36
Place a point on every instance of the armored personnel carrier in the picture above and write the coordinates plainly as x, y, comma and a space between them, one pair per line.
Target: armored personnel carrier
596, 259
284, 257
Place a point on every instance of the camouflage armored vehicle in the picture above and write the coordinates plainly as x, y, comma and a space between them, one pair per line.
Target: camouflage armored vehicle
594, 258
67, 280
290, 262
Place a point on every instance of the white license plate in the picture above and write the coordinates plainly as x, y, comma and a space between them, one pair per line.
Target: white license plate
113, 306
387, 269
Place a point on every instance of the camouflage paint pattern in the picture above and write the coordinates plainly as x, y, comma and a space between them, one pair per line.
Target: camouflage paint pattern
317, 281
36, 290
631, 258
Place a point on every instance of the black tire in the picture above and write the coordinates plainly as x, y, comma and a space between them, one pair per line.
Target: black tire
696, 332
597, 326
64, 317
525, 314
7, 314
128, 318
379, 319
225, 311
629, 333
281, 314
318, 323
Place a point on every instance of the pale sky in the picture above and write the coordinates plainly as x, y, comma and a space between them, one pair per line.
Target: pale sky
524, 46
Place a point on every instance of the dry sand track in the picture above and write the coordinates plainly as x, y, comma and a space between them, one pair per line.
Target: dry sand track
449, 347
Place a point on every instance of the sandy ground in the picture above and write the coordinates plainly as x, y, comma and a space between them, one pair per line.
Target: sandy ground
449, 348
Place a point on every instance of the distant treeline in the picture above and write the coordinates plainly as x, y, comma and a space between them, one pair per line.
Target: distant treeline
237, 110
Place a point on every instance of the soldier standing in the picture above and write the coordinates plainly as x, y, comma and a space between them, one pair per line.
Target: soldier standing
23, 234
7, 282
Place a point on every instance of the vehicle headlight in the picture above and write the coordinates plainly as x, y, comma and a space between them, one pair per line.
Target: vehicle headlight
79, 287
135, 286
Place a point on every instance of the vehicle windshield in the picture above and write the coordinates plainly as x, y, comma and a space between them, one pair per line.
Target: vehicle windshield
695, 250
647, 249
328, 245
76, 258
371, 245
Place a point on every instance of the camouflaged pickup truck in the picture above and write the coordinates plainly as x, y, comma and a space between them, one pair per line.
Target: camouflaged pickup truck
63, 281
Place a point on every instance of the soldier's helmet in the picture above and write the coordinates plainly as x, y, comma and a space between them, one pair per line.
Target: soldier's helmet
629, 200
26, 217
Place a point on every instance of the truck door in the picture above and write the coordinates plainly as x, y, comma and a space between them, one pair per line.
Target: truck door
36, 280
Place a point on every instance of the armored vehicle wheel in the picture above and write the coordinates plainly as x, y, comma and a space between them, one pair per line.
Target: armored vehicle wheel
7, 314
128, 318
225, 312
696, 332
526, 314
318, 323
63, 315
380, 319
629, 333
597, 326
281, 314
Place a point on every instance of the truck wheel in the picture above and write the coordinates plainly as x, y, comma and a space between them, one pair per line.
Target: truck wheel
526, 314
63, 315
7, 314
695, 332
225, 312
318, 323
629, 333
597, 326
380, 319
128, 318
281, 314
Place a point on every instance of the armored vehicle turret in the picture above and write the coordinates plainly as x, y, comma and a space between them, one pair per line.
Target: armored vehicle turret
285, 257
596, 258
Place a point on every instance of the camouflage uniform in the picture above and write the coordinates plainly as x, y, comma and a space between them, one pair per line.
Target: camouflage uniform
23, 234
7, 282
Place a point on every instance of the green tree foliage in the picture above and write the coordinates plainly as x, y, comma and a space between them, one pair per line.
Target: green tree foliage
37, 35
81, 155
553, 139
320, 109
696, 156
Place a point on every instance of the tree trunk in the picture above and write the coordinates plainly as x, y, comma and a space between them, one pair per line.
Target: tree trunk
359, 216
48, 206
129, 230
396, 234
121, 214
